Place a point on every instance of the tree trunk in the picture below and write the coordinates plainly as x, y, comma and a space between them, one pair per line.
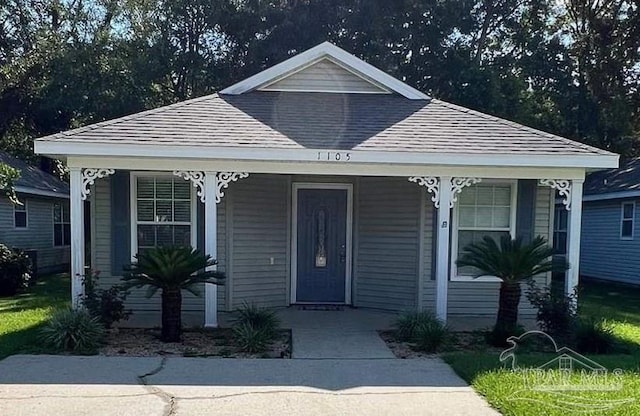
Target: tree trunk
171, 314
508, 304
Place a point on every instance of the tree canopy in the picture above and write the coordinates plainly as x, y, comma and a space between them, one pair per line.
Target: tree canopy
568, 67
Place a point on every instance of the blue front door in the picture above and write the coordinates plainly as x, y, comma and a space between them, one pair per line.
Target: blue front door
322, 243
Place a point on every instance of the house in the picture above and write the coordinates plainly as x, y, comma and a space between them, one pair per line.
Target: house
41, 225
610, 242
319, 180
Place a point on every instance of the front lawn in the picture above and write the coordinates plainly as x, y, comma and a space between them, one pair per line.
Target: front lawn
21, 316
512, 393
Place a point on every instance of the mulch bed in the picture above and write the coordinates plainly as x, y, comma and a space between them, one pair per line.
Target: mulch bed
195, 343
460, 341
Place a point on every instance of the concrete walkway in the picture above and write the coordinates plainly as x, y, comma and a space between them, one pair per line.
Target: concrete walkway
348, 333
59, 385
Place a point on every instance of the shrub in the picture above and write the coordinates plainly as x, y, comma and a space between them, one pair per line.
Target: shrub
430, 335
556, 311
407, 324
105, 304
499, 334
593, 336
252, 339
73, 330
15, 269
259, 318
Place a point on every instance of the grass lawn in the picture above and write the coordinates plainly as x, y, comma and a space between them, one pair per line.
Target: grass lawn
21, 316
512, 394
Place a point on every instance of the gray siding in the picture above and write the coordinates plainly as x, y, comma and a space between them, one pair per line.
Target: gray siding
388, 228
603, 254
260, 233
428, 246
323, 76
37, 236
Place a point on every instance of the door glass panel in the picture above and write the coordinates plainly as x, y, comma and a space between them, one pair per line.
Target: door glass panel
321, 252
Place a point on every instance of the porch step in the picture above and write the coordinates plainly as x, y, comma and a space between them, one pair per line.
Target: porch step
319, 307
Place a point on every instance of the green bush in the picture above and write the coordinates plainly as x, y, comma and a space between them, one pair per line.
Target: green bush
15, 269
593, 336
259, 318
407, 324
499, 334
105, 304
430, 335
251, 339
556, 311
74, 331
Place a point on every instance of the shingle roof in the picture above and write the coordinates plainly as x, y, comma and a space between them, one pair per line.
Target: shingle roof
292, 120
625, 178
34, 179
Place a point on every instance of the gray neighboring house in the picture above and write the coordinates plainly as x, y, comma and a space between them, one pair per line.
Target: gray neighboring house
41, 226
610, 230
319, 180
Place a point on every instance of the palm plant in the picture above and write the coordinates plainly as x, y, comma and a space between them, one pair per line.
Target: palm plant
512, 261
171, 270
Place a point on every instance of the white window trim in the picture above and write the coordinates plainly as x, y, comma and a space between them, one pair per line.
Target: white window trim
26, 215
53, 222
453, 271
632, 219
134, 209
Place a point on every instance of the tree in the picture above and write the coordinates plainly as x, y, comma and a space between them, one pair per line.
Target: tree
512, 261
8, 176
171, 270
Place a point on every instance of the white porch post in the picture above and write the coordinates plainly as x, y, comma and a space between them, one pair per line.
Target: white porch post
77, 236
442, 247
211, 246
572, 275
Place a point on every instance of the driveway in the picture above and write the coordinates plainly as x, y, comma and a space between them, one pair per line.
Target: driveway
51, 385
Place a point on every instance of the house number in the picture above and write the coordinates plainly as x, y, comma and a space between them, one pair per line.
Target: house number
334, 156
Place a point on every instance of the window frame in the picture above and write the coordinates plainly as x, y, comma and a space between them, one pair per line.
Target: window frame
133, 199
453, 271
558, 212
63, 222
26, 215
632, 219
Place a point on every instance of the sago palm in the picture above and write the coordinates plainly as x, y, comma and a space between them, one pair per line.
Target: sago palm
512, 261
171, 270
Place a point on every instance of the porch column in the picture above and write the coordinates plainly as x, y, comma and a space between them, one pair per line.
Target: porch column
442, 247
572, 275
211, 246
77, 235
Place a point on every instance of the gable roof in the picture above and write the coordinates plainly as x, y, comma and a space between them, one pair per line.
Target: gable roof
623, 182
35, 181
325, 50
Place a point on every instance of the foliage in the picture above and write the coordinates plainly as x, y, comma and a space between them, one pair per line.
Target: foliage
8, 177
105, 304
252, 339
15, 269
430, 335
73, 330
407, 323
498, 335
259, 318
556, 312
513, 261
594, 336
171, 270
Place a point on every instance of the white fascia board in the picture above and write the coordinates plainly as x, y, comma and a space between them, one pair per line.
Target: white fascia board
611, 195
340, 56
69, 148
40, 192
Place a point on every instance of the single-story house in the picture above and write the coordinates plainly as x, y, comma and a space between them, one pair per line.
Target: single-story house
41, 225
320, 180
610, 242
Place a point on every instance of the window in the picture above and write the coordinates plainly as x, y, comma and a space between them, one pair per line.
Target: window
560, 230
482, 210
61, 224
163, 212
20, 215
626, 220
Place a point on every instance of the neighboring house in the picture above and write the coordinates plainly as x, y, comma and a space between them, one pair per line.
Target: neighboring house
41, 225
610, 232
319, 180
